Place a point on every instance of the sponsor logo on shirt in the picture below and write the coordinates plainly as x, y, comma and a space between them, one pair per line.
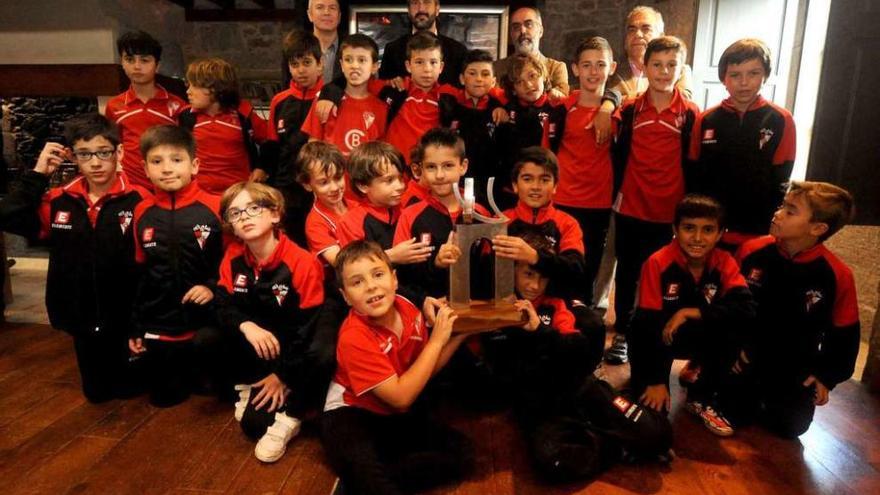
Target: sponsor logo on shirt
709, 136
147, 237
240, 284
202, 232
280, 291
280, 126
621, 403
125, 220
671, 293
353, 138
812, 298
62, 221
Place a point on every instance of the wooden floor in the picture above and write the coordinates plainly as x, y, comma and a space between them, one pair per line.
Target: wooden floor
52, 441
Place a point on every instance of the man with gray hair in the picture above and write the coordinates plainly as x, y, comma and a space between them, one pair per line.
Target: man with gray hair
526, 29
642, 25
325, 16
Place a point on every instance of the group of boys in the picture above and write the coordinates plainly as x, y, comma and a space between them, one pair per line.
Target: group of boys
135, 275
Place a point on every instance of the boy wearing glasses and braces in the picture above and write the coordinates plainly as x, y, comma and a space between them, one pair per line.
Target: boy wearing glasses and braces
92, 274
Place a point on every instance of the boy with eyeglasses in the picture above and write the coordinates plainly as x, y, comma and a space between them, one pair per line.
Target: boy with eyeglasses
92, 275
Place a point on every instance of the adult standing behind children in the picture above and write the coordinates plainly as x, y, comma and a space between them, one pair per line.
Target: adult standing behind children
144, 104
642, 25
423, 16
526, 30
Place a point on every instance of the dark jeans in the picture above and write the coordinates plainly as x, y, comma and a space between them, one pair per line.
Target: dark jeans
636, 240
176, 368
594, 224
387, 455
104, 366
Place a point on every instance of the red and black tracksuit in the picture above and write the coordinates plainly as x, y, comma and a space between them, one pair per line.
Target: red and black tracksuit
807, 324
575, 425
179, 243
283, 295
744, 160
428, 220
651, 171
566, 267
540, 123
369, 222
667, 285
472, 120
287, 113
92, 275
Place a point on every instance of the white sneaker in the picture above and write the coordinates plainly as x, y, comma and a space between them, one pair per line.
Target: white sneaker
244, 395
273, 444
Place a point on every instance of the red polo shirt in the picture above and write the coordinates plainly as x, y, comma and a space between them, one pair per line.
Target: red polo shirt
134, 117
654, 181
585, 171
367, 355
220, 147
321, 225
358, 120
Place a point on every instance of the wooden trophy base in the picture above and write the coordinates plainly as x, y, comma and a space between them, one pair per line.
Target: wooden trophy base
482, 316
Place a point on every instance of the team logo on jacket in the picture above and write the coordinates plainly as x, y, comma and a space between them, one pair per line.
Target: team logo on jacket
709, 291
280, 291
671, 293
369, 118
813, 297
148, 234
202, 232
125, 220
621, 403
709, 136
62, 220
766, 135
425, 238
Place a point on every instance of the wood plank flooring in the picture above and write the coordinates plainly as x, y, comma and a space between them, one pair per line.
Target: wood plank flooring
52, 441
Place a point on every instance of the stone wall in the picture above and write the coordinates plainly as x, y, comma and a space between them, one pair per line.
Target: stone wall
566, 22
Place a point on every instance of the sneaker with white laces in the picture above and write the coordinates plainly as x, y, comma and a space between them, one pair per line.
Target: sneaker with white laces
617, 353
244, 396
273, 444
715, 422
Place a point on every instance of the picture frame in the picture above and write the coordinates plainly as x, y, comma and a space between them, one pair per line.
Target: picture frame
477, 27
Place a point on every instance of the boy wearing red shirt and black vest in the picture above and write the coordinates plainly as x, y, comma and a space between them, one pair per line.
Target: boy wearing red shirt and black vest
585, 170
144, 105
225, 127
179, 244
692, 303
269, 296
744, 144
287, 112
650, 160
92, 274
360, 116
546, 368
385, 358
806, 336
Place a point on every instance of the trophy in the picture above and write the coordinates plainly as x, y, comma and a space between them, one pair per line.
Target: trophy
499, 311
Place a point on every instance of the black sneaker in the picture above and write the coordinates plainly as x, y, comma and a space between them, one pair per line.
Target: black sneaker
616, 354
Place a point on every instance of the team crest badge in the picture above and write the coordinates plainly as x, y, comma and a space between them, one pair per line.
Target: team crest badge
172, 107
545, 319
813, 297
280, 291
202, 232
754, 277
709, 291
369, 118
124, 221
766, 135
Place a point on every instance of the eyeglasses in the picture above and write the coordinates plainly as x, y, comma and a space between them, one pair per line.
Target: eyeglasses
83, 156
233, 215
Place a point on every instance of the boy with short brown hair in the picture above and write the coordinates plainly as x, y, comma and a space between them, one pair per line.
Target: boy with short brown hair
806, 337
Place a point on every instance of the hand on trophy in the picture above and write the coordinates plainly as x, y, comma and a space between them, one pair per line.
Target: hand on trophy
409, 251
449, 252
514, 248
430, 308
528, 308
443, 325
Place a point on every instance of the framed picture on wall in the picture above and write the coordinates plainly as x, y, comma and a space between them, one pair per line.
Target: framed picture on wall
483, 27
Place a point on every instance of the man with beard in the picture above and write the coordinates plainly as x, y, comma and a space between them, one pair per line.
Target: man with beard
526, 30
642, 25
423, 16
